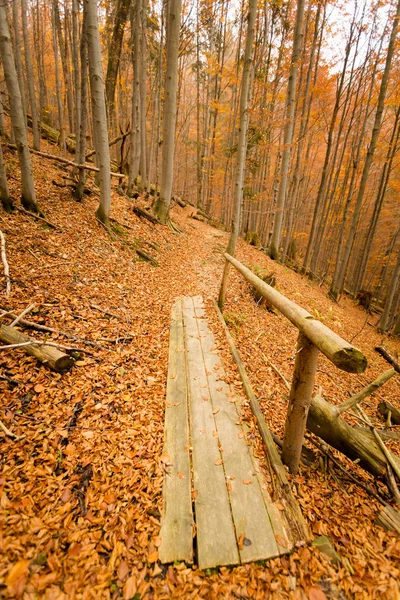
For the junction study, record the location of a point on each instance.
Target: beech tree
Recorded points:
(98, 110)
(161, 207)
(338, 283)
(30, 78)
(5, 197)
(242, 146)
(288, 133)
(17, 115)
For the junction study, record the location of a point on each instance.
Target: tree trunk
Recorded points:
(98, 110)
(78, 193)
(114, 56)
(134, 159)
(18, 55)
(385, 320)
(17, 115)
(5, 197)
(337, 286)
(30, 78)
(61, 140)
(288, 133)
(161, 207)
(143, 97)
(391, 153)
(242, 146)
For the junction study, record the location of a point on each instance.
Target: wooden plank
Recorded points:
(255, 518)
(216, 539)
(177, 523)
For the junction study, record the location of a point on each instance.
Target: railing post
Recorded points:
(299, 401)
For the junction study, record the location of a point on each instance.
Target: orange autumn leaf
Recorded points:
(39, 388)
(17, 578)
(152, 557)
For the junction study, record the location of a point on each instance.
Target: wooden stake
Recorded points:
(299, 401)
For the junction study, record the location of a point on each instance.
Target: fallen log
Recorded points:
(146, 257)
(384, 408)
(67, 162)
(48, 355)
(357, 444)
(143, 214)
(389, 518)
(38, 327)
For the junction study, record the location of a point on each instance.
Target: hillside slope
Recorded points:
(81, 494)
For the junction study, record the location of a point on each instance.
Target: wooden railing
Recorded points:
(314, 337)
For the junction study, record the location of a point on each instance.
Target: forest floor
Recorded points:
(81, 493)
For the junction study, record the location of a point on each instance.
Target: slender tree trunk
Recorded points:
(18, 54)
(245, 94)
(337, 285)
(17, 115)
(325, 168)
(76, 72)
(63, 45)
(134, 159)
(5, 196)
(3, 129)
(143, 97)
(365, 253)
(385, 319)
(161, 207)
(98, 110)
(58, 83)
(30, 78)
(288, 133)
(78, 194)
(114, 57)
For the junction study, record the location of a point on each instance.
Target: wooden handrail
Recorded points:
(336, 349)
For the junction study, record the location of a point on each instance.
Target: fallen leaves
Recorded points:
(17, 578)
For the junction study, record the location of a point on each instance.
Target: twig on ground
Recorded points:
(10, 433)
(5, 263)
(322, 447)
(277, 371)
(106, 312)
(38, 218)
(21, 316)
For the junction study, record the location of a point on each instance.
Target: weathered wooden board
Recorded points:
(236, 521)
(254, 520)
(177, 523)
(216, 539)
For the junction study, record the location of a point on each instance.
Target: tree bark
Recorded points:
(134, 159)
(5, 197)
(242, 146)
(18, 54)
(30, 78)
(161, 207)
(79, 190)
(299, 401)
(337, 286)
(288, 132)
(17, 115)
(98, 110)
(114, 56)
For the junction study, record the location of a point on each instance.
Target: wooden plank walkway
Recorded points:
(235, 518)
